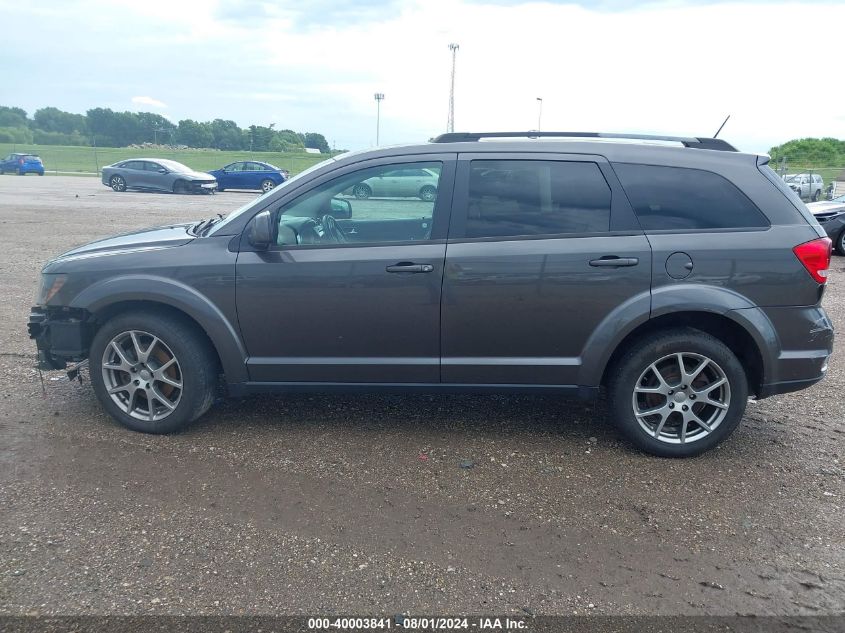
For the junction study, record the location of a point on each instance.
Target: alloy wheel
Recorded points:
(267, 185)
(681, 398)
(142, 375)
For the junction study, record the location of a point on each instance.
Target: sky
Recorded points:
(667, 67)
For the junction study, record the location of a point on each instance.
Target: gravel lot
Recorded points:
(358, 504)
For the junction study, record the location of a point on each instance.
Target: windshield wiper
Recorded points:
(204, 225)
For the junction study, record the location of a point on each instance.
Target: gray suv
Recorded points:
(677, 274)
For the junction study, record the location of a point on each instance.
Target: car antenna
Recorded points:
(721, 126)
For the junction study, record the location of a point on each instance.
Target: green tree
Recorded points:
(317, 141)
(12, 117)
(54, 120)
(194, 133)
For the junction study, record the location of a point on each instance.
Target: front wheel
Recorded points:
(117, 183)
(428, 193)
(153, 373)
(180, 186)
(678, 393)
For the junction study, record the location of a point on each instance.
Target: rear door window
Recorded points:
(516, 198)
(680, 199)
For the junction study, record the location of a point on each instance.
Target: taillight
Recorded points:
(815, 256)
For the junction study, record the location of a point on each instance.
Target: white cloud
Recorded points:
(148, 101)
(672, 67)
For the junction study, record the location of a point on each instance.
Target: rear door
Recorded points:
(541, 250)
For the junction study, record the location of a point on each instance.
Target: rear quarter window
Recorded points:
(680, 199)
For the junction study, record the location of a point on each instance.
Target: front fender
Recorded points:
(187, 299)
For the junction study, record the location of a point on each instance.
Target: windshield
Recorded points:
(172, 165)
(249, 205)
(839, 198)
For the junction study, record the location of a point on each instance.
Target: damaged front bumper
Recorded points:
(61, 335)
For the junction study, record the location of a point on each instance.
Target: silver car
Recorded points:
(406, 182)
(157, 174)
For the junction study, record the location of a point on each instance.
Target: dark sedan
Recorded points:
(831, 215)
(249, 175)
(157, 174)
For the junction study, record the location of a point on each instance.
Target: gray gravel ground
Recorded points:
(360, 504)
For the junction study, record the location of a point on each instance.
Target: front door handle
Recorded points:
(614, 261)
(408, 267)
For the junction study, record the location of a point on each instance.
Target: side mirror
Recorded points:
(162, 170)
(341, 209)
(259, 231)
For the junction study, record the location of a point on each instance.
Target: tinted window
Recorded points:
(133, 164)
(532, 197)
(152, 166)
(676, 198)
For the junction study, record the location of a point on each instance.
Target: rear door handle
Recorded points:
(614, 261)
(408, 267)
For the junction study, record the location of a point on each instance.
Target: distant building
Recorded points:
(311, 150)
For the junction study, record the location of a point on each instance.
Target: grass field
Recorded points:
(85, 160)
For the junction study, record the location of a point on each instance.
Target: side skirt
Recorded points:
(238, 390)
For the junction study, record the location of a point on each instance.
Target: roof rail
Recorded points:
(687, 141)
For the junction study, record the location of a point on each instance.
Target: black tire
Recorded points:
(840, 242)
(428, 193)
(362, 191)
(267, 185)
(628, 370)
(817, 195)
(197, 366)
(117, 183)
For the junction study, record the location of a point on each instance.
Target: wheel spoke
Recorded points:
(157, 395)
(697, 419)
(128, 387)
(665, 387)
(125, 364)
(713, 385)
(698, 370)
(162, 377)
(716, 403)
(684, 430)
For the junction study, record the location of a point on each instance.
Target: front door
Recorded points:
(542, 249)
(350, 293)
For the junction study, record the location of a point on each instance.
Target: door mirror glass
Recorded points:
(162, 170)
(341, 209)
(259, 231)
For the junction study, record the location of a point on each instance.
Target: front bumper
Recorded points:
(60, 335)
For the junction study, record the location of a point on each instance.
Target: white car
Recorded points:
(805, 185)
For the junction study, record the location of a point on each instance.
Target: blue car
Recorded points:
(249, 175)
(22, 164)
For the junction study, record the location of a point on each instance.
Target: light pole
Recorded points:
(379, 97)
(540, 112)
(450, 122)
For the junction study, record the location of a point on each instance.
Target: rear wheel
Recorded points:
(678, 393)
(840, 242)
(267, 185)
(117, 183)
(362, 192)
(817, 195)
(153, 373)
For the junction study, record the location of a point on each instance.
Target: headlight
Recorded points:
(49, 288)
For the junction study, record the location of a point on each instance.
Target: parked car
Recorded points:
(566, 267)
(22, 164)
(249, 175)
(831, 216)
(807, 186)
(157, 174)
(408, 182)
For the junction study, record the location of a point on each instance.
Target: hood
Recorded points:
(196, 175)
(825, 207)
(152, 238)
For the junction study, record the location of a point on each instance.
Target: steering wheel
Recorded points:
(333, 230)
